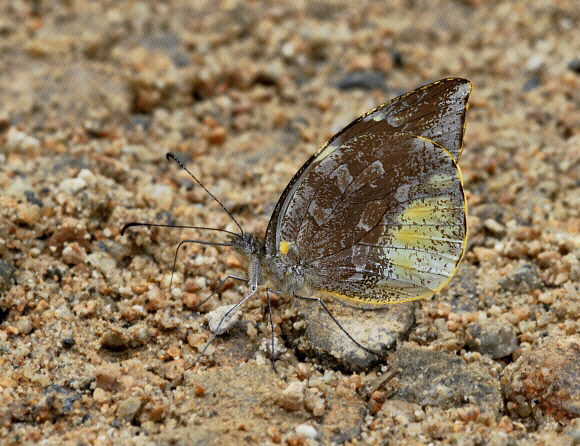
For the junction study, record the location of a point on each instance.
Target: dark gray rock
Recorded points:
(432, 378)
(492, 338)
(574, 65)
(364, 80)
(522, 279)
(6, 275)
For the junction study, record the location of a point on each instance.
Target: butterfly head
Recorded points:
(247, 245)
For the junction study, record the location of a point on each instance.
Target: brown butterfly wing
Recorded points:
(435, 111)
(378, 217)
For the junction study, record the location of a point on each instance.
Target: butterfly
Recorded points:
(376, 216)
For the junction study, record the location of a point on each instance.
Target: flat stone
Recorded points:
(377, 330)
(432, 378)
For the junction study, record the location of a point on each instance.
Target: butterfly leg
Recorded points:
(272, 354)
(219, 286)
(317, 299)
(224, 317)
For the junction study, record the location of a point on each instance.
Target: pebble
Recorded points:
(141, 334)
(364, 80)
(486, 255)
(115, 339)
(28, 214)
(494, 338)
(303, 370)
(292, 397)
(87, 176)
(214, 317)
(279, 347)
(32, 198)
(68, 342)
(101, 396)
(572, 263)
(315, 404)
(190, 301)
(233, 261)
(151, 413)
(6, 275)
(574, 65)
(23, 325)
(167, 319)
(514, 249)
(128, 408)
(535, 62)
(159, 196)
(524, 233)
(468, 413)
(544, 382)
(107, 377)
(154, 299)
(494, 227)
(305, 430)
(102, 261)
(73, 254)
(379, 330)
(199, 390)
(72, 186)
(217, 136)
(522, 279)
(18, 140)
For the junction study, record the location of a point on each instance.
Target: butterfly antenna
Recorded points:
(159, 225)
(170, 155)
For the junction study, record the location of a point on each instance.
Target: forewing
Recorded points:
(435, 111)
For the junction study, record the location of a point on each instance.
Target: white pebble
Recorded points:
(71, 186)
(88, 176)
(307, 431)
(17, 140)
(159, 195)
(214, 317)
(292, 397)
(535, 62)
(102, 261)
(279, 347)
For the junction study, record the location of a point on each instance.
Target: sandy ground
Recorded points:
(94, 346)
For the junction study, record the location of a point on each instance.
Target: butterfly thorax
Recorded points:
(285, 273)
